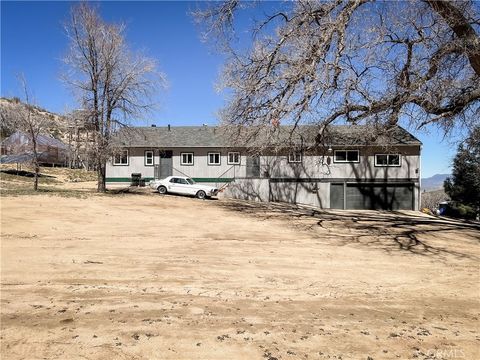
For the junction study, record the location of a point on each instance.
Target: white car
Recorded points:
(183, 185)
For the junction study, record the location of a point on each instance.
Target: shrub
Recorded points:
(461, 211)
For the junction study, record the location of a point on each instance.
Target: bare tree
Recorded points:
(375, 62)
(26, 118)
(431, 199)
(113, 84)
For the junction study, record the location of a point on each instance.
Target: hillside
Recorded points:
(434, 182)
(71, 129)
(59, 122)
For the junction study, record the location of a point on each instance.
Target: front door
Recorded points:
(253, 166)
(165, 166)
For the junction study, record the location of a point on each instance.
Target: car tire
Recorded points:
(162, 190)
(201, 194)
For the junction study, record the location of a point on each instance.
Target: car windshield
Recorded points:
(190, 181)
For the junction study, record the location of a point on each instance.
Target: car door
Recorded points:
(173, 185)
(184, 187)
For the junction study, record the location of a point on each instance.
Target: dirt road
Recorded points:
(150, 277)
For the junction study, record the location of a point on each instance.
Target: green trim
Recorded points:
(123, 179)
(200, 180)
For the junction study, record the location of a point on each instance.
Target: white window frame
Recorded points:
(295, 157)
(219, 158)
(187, 163)
(121, 155)
(146, 158)
(233, 153)
(388, 160)
(346, 156)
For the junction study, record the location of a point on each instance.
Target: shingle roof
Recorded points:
(368, 135)
(211, 136)
(176, 136)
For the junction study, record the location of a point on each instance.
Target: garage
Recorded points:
(372, 196)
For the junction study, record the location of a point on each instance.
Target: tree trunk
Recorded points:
(461, 27)
(36, 166)
(101, 183)
(35, 180)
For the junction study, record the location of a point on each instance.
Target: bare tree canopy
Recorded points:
(28, 119)
(113, 84)
(374, 62)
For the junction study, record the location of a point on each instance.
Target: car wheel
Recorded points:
(162, 190)
(201, 194)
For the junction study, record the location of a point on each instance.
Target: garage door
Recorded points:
(379, 197)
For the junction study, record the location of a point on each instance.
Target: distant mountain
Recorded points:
(434, 182)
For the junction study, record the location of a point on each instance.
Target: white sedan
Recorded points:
(183, 185)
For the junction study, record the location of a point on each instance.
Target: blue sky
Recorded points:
(33, 42)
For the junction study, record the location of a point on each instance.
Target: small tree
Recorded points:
(464, 185)
(113, 84)
(25, 118)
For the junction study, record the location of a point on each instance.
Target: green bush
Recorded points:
(461, 211)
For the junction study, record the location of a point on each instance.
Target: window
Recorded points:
(387, 160)
(233, 158)
(121, 158)
(343, 156)
(148, 157)
(213, 159)
(176, 180)
(295, 157)
(186, 158)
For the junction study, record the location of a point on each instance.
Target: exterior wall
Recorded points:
(305, 193)
(249, 189)
(200, 170)
(315, 194)
(312, 166)
(315, 167)
(136, 164)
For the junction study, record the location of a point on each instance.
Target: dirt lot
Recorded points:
(140, 276)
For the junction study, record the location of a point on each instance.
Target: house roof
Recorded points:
(175, 136)
(211, 136)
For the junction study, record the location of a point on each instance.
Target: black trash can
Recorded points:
(136, 177)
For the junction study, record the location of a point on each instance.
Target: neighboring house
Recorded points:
(17, 148)
(347, 172)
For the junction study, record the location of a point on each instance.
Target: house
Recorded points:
(17, 148)
(349, 168)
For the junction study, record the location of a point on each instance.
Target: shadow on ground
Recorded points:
(390, 231)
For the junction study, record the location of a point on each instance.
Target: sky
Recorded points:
(33, 42)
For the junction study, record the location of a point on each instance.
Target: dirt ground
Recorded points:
(144, 276)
